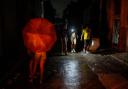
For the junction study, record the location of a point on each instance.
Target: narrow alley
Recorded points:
(74, 71)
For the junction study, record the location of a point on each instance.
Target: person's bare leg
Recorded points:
(30, 66)
(85, 46)
(31, 70)
(62, 47)
(42, 62)
(72, 46)
(35, 63)
(35, 66)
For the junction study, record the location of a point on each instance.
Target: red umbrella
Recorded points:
(39, 35)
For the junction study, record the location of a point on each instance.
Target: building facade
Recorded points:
(117, 11)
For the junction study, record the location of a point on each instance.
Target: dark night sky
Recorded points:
(60, 5)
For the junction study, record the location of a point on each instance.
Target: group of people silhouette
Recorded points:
(40, 35)
(72, 36)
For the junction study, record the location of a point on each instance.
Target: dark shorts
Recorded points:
(87, 42)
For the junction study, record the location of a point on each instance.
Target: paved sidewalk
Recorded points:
(111, 69)
(75, 71)
(122, 57)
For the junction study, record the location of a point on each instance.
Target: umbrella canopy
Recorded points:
(39, 35)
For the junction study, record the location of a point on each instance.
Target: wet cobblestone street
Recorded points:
(74, 71)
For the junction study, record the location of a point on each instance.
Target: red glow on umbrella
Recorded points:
(39, 35)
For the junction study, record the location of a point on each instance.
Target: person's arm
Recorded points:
(81, 35)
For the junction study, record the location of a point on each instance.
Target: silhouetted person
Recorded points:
(39, 37)
(73, 38)
(86, 36)
(64, 39)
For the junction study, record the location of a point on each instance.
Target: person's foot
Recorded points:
(66, 53)
(87, 51)
(84, 50)
(30, 80)
(62, 53)
(74, 50)
(40, 81)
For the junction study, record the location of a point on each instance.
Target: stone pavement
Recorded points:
(111, 69)
(122, 57)
(75, 71)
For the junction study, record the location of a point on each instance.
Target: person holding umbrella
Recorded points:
(39, 36)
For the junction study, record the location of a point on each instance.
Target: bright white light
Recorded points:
(92, 42)
(72, 30)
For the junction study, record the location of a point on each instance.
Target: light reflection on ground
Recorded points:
(71, 76)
